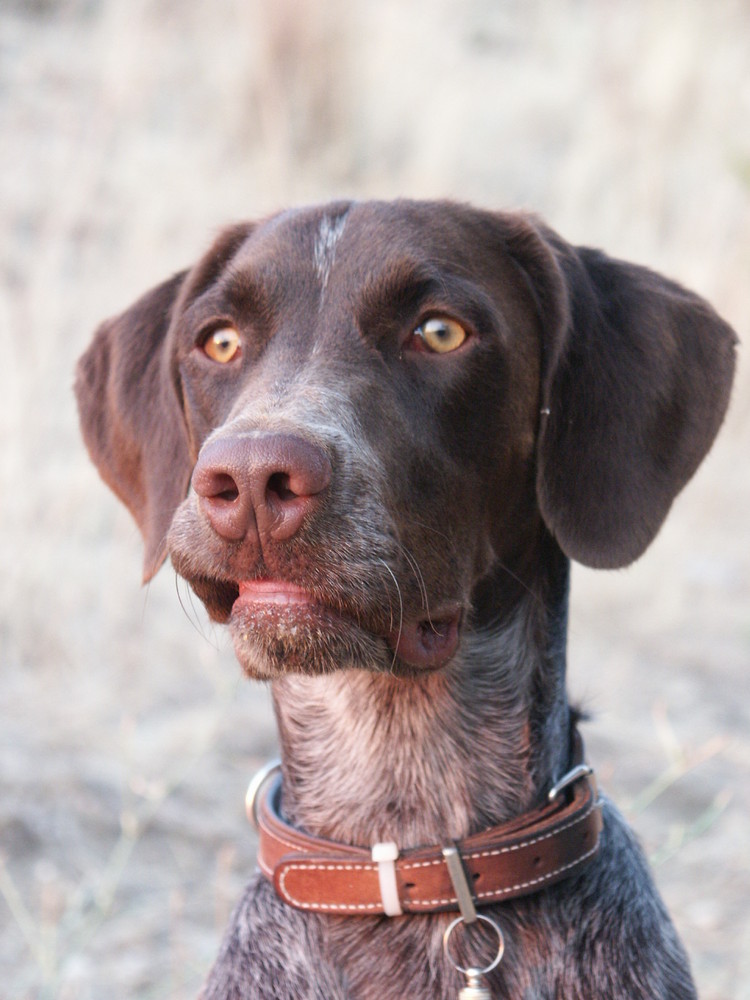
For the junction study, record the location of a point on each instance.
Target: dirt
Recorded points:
(131, 132)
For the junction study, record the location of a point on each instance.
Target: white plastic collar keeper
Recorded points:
(385, 856)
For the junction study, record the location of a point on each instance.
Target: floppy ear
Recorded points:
(131, 416)
(636, 376)
(130, 400)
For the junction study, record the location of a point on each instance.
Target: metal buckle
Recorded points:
(464, 895)
(257, 782)
(575, 774)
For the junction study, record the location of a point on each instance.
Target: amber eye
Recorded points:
(222, 345)
(441, 334)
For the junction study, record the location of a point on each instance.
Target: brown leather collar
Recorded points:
(517, 858)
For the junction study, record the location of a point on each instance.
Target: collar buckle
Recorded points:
(570, 778)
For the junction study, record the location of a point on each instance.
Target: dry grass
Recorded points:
(131, 130)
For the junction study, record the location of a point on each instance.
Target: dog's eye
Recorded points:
(222, 345)
(441, 334)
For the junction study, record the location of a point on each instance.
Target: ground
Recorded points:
(131, 132)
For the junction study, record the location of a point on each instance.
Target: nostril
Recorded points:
(225, 488)
(266, 484)
(215, 484)
(280, 484)
(221, 501)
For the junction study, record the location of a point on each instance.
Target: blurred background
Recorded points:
(131, 130)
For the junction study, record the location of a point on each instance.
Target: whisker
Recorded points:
(190, 613)
(146, 596)
(431, 528)
(400, 614)
(388, 597)
(525, 586)
(419, 578)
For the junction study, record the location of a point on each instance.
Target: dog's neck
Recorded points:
(370, 757)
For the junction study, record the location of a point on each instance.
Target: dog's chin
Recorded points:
(282, 632)
(270, 644)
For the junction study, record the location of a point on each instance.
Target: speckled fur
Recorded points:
(583, 398)
(369, 757)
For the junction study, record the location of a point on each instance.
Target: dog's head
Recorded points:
(342, 419)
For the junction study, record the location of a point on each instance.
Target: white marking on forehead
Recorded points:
(329, 233)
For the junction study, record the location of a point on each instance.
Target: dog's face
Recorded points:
(377, 405)
(402, 364)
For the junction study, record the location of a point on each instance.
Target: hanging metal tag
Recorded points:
(474, 989)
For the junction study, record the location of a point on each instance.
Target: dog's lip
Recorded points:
(265, 591)
(425, 643)
(284, 599)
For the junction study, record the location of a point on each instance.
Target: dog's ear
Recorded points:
(130, 405)
(636, 376)
(131, 415)
(130, 400)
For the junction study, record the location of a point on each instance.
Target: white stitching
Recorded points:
(513, 847)
(325, 906)
(499, 893)
(490, 894)
(494, 894)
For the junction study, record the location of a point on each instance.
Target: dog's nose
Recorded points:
(264, 483)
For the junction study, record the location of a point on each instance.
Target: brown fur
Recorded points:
(420, 685)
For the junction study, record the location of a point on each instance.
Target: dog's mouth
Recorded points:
(297, 630)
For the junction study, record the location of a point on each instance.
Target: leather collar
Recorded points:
(522, 856)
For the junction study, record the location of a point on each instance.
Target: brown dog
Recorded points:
(371, 436)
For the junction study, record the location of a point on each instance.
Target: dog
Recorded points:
(371, 437)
